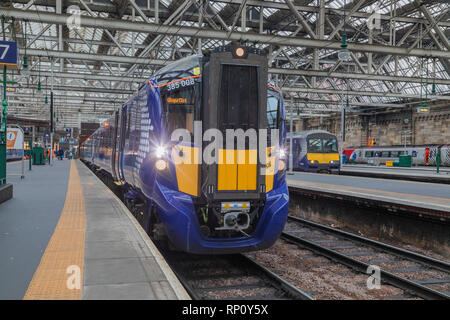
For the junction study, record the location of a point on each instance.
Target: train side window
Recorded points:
(288, 147)
(414, 153)
(273, 110)
(395, 154)
(178, 109)
(369, 154)
(385, 154)
(297, 149)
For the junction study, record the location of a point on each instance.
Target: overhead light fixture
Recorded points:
(25, 70)
(39, 86)
(344, 53)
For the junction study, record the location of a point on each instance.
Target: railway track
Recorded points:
(230, 277)
(398, 267)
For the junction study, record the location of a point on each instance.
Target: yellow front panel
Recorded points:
(247, 169)
(227, 172)
(270, 168)
(186, 167)
(323, 158)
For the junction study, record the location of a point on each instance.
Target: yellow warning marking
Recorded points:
(56, 277)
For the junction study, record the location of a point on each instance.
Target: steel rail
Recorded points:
(267, 277)
(386, 276)
(410, 255)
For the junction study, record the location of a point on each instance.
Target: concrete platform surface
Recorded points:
(120, 260)
(423, 174)
(65, 235)
(27, 222)
(419, 194)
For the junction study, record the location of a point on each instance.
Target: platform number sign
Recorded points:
(8, 53)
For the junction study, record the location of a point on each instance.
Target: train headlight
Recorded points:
(240, 52)
(281, 165)
(161, 165)
(160, 151)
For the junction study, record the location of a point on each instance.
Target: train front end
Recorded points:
(221, 183)
(322, 153)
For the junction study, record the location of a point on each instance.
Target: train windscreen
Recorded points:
(322, 145)
(330, 145)
(179, 109)
(238, 98)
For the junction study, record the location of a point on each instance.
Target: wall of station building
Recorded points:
(390, 128)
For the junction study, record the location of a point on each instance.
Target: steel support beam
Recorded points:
(108, 7)
(359, 76)
(362, 93)
(157, 62)
(118, 24)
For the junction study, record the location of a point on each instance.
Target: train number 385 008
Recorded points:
(180, 84)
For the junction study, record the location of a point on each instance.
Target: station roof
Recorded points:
(399, 49)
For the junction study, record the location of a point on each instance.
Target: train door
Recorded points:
(427, 155)
(115, 129)
(296, 149)
(235, 97)
(288, 151)
(121, 142)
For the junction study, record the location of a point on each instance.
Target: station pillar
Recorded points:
(3, 133)
(438, 159)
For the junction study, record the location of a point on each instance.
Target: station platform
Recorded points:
(421, 174)
(65, 235)
(420, 197)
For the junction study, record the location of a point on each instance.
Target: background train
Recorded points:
(424, 155)
(13, 154)
(314, 151)
(200, 207)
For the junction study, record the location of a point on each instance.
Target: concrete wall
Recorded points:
(388, 128)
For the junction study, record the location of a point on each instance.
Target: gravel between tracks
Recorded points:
(399, 244)
(318, 275)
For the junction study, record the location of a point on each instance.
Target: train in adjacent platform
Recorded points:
(314, 151)
(422, 155)
(233, 204)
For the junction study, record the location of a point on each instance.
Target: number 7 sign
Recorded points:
(8, 53)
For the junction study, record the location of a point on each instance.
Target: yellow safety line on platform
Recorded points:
(59, 275)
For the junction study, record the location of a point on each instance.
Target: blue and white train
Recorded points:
(223, 207)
